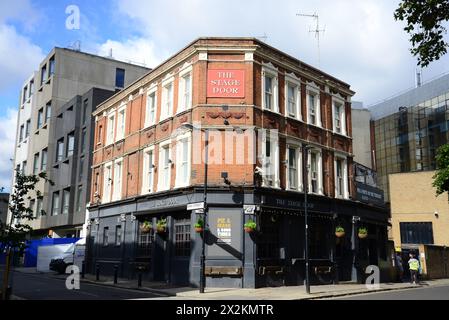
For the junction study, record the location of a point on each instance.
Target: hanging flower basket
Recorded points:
(161, 226)
(146, 227)
(339, 232)
(199, 225)
(250, 226)
(363, 233)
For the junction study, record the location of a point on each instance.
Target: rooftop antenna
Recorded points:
(264, 37)
(110, 53)
(76, 46)
(317, 30)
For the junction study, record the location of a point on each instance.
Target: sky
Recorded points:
(361, 44)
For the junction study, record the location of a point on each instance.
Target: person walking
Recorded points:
(413, 264)
(399, 266)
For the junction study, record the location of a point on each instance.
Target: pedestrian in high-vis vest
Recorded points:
(413, 264)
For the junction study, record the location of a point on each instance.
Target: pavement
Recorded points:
(165, 291)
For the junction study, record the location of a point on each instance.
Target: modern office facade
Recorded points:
(409, 128)
(62, 75)
(260, 108)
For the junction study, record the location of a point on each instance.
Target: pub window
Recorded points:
(269, 243)
(105, 236)
(145, 243)
(182, 237)
(118, 235)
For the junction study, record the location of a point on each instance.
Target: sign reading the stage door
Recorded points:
(225, 83)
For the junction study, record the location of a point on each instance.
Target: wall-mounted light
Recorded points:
(436, 214)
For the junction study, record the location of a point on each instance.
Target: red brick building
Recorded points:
(260, 107)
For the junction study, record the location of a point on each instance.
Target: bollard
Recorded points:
(139, 279)
(83, 269)
(115, 273)
(97, 271)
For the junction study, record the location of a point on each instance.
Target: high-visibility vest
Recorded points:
(414, 265)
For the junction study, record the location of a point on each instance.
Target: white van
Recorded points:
(73, 255)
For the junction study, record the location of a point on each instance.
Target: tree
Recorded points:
(441, 177)
(425, 20)
(13, 235)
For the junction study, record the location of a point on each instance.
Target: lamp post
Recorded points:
(305, 162)
(205, 209)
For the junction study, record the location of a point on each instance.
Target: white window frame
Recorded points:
(121, 122)
(270, 168)
(117, 180)
(319, 170)
(167, 101)
(147, 183)
(292, 80)
(313, 89)
(299, 169)
(183, 103)
(269, 70)
(345, 191)
(179, 164)
(110, 130)
(161, 184)
(338, 99)
(107, 182)
(149, 121)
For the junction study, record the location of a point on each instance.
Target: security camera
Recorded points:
(258, 170)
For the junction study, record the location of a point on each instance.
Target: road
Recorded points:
(44, 287)
(420, 293)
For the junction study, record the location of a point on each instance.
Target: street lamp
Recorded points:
(190, 126)
(305, 153)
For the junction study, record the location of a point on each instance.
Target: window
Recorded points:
(100, 134)
(51, 66)
(292, 97)
(182, 162)
(55, 204)
(315, 172)
(83, 140)
(164, 167)
(81, 169)
(148, 171)
(79, 199)
(167, 100)
(60, 150)
(21, 132)
(150, 113)
(24, 94)
(39, 207)
(107, 183)
(121, 122)
(85, 105)
(145, 242)
(110, 128)
(36, 163)
(313, 106)
(44, 160)
(270, 91)
(27, 128)
(47, 112)
(294, 168)
(43, 74)
(270, 161)
(341, 174)
(118, 235)
(70, 144)
(339, 116)
(105, 236)
(185, 91)
(117, 185)
(119, 78)
(182, 237)
(24, 167)
(65, 201)
(416, 232)
(32, 207)
(31, 91)
(40, 118)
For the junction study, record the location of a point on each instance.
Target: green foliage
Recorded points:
(161, 223)
(441, 177)
(363, 230)
(339, 229)
(199, 223)
(147, 224)
(425, 20)
(250, 224)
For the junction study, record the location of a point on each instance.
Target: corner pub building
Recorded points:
(149, 168)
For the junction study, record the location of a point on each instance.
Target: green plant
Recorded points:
(161, 224)
(250, 224)
(363, 230)
(147, 224)
(199, 223)
(339, 229)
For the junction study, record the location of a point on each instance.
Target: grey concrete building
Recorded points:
(62, 75)
(361, 134)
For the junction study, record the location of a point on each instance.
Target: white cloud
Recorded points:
(20, 10)
(363, 45)
(8, 124)
(19, 57)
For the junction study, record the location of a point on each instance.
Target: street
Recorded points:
(420, 293)
(45, 287)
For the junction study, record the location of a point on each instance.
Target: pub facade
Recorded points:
(226, 134)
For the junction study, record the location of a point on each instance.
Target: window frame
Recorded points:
(319, 163)
(313, 89)
(179, 182)
(107, 183)
(183, 104)
(152, 90)
(164, 185)
(298, 153)
(53, 202)
(166, 108)
(121, 123)
(345, 192)
(293, 81)
(147, 185)
(117, 180)
(110, 127)
(269, 70)
(338, 99)
(274, 161)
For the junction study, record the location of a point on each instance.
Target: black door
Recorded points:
(180, 250)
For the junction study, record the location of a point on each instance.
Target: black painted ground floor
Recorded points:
(272, 255)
